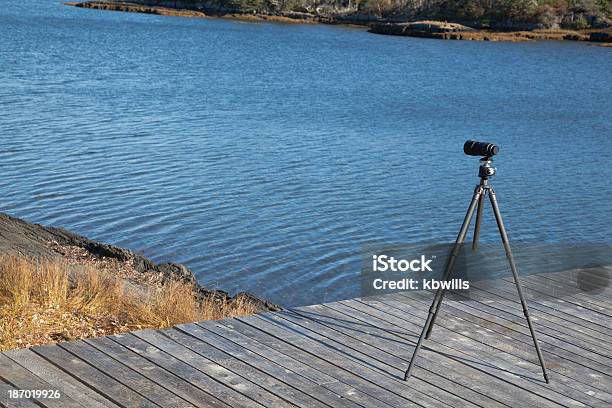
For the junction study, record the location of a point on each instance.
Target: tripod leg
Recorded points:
(517, 282)
(433, 310)
(478, 196)
(478, 221)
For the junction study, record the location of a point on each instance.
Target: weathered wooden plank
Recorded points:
(571, 341)
(5, 402)
(406, 334)
(539, 285)
(599, 297)
(125, 375)
(481, 356)
(349, 372)
(490, 390)
(548, 315)
(598, 280)
(594, 385)
(23, 379)
(205, 362)
(245, 362)
(557, 348)
(593, 273)
(213, 384)
(226, 329)
(549, 305)
(360, 364)
(503, 299)
(96, 379)
(203, 341)
(438, 387)
(313, 381)
(59, 379)
(513, 358)
(155, 373)
(566, 292)
(512, 316)
(489, 380)
(340, 331)
(572, 375)
(565, 347)
(345, 382)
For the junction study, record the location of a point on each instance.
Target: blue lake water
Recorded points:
(265, 156)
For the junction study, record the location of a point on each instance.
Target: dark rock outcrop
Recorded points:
(245, 297)
(601, 37)
(36, 241)
(418, 27)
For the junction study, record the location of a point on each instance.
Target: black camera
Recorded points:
(474, 148)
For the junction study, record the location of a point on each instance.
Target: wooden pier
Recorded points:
(344, 354)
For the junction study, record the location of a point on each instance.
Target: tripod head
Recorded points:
(486, 168)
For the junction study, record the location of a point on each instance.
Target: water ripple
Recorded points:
(267, 156)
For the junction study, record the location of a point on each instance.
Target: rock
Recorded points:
(575, 37)
(433, 29)
(297, 15)
(600, 37)
(259, 303)
(37, 241)
(601, 22)
(509, 25)
(243, 297)
(177, 271)
(216, 295)
(34, 240)
(388, 28)
(302, 9)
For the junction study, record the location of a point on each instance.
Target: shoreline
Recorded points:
(36, 241)
(178, 12)
(56, 286)
(422, 29)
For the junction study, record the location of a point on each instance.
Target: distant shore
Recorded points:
(424, 29)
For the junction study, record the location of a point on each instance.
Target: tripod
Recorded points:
(486, 170)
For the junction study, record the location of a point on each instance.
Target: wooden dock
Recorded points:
(344, 354)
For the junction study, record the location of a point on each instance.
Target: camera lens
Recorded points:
(474, 148)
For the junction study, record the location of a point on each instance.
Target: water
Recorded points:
(265, 156)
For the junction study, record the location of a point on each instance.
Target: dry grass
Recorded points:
(43, 301)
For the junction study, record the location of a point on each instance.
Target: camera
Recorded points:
(474, 148)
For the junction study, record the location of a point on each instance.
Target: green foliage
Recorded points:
(247, 4)
(581, 23)
(544, 11)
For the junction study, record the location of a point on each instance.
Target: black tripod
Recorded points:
(486, 170)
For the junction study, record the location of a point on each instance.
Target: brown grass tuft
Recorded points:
(45, 301)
